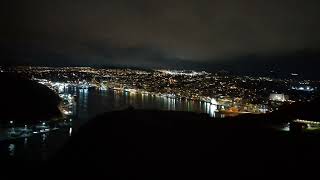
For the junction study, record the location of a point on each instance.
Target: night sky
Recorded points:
(240, 36)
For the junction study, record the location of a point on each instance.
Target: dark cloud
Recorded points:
(143, 31)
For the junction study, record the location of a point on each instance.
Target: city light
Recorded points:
(242, 93)
(277, 97)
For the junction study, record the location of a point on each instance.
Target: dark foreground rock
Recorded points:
(136, 143)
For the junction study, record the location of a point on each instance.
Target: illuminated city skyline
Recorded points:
(238, 94)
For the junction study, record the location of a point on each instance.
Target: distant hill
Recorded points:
(26, 101)
(305, 62)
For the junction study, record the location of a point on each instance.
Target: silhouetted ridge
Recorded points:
(26, 101)
(143, 143)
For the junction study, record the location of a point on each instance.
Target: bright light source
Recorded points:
(70, 131)
(213, 101)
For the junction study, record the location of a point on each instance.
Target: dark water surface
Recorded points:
(90, 103)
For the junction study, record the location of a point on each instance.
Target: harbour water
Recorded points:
(89, 103)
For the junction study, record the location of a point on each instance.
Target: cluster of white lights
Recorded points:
(303, 88)
(277, 97)
(182, 72)
(308, 122)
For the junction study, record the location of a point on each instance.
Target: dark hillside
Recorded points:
(156, 143)
(26, 101)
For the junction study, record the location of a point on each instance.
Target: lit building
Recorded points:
(278, 97)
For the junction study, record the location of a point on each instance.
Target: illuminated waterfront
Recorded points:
(245, 94)
(88, 104)
(93, 102)
(88, 92)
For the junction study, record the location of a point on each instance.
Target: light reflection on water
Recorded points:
(89, 104)
(93, 102)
